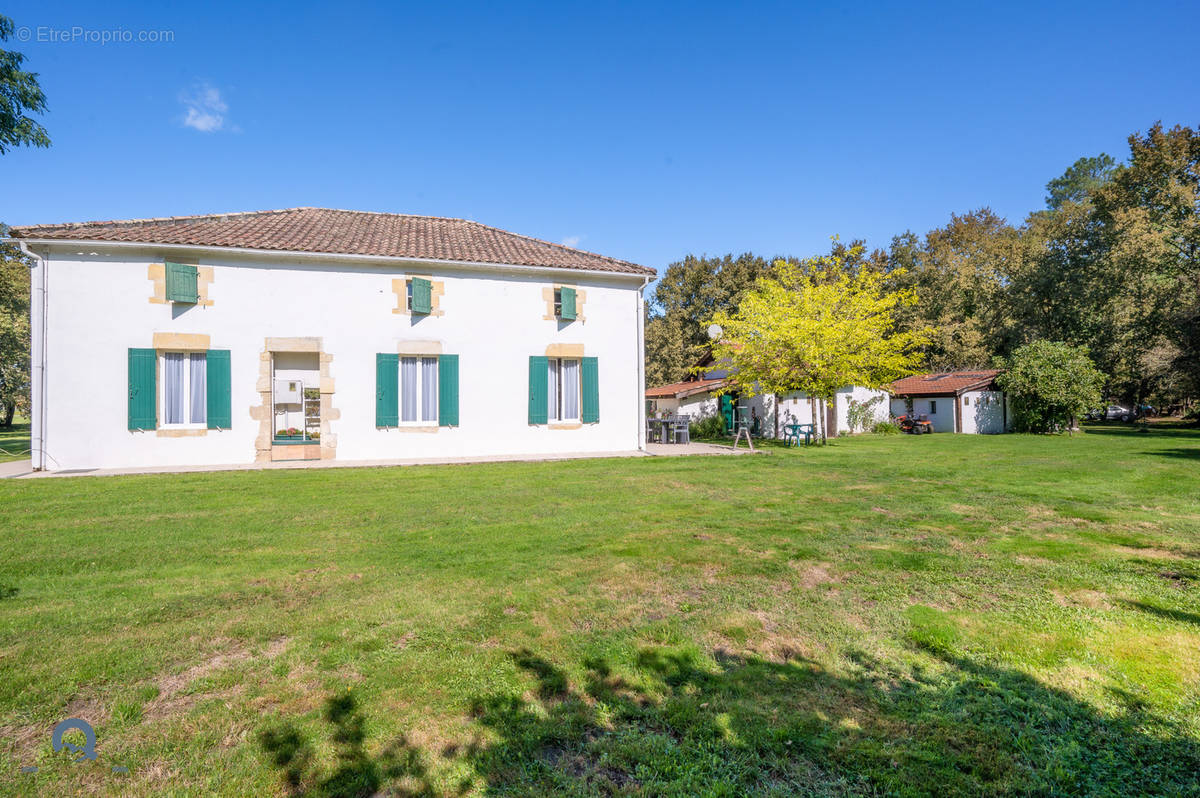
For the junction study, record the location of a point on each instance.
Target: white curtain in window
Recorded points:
(199, 387)
(408, 389)
(173, 379)
(429, 388)
(553, 391)
(570, 389)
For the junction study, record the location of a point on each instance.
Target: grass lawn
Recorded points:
(887, 615)
(14, 441)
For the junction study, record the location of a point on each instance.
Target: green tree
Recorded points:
(1081, 179)
(1050, 384)
(961, 273)
(1118, 271)
(14, 331)
(689, 292)
(815, 327)
(20, 95)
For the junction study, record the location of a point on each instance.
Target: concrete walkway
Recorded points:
(16, 468)
(682, 449)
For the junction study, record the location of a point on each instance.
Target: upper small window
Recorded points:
(932, 406)
(564, 303)
(182, 283)
(419, 295)
(966, 401)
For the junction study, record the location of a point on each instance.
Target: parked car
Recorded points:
(1119, 413)
(1111, 413)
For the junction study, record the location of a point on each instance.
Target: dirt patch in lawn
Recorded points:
(1149, 552)
(171, 698)
(1092, 599)
(813, 575)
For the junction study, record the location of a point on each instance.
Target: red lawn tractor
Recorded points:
(915, 425)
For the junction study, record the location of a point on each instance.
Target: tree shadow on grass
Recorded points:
(1164, 612)
(1180, 454)
(741, 725)
(678, 723)
(400, 766)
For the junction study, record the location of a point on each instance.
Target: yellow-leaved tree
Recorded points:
(815, 327)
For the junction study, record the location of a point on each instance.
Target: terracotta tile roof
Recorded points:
(948, 383)
(679, 390)
(341, 232)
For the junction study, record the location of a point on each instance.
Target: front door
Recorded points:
(727, 406)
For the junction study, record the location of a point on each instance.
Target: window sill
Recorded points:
(181, 432)
(565, 425)
(425, 428)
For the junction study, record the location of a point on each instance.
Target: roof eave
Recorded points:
(343, 256)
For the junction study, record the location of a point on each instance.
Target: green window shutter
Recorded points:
(219, 382)
(143, 400)
(422, 296)
(181, 283)
(567, 313)
(539, 388)
(590, 376)
(447, 390)
(387, 390)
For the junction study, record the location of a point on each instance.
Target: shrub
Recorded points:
(885, 428)
(1050, 384)
(859, 414)
(707, 427)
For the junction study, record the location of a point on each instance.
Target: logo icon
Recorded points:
(87, 750)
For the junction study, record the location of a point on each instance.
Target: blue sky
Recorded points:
(642, 131)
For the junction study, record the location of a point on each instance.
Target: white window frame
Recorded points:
(187, 390)
(437, 395)
(554, 414)
(408, 292)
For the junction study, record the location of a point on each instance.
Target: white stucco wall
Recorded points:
(98, 308)
(794, 408)
(982, 411)
(942, 419)
(698, 405)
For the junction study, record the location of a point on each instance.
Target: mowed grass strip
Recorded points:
(890, 615)
(14, 441)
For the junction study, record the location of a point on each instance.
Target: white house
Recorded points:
(312, 333)
(957, 401)
(701, 396)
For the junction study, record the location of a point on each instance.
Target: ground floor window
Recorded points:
(418, 390)
(564, 389)
(185, 388)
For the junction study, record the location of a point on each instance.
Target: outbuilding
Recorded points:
(954, 401)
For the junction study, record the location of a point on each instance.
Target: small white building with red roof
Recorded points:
(954, 401)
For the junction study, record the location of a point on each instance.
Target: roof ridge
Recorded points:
(158, 219)
(231, 214)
